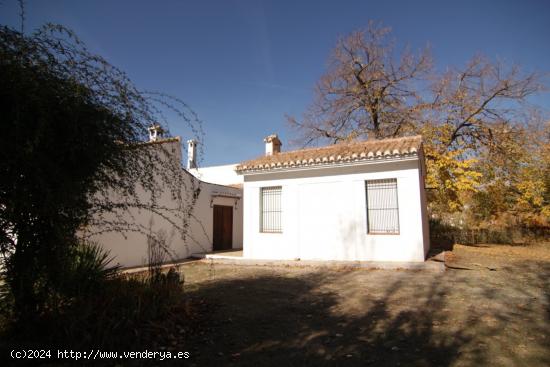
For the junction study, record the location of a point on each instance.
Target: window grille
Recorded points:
(270, 210)
(382, 206)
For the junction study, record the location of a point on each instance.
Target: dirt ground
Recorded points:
(491, 307)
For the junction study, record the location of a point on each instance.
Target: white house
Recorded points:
(360, 201)
(214, 223)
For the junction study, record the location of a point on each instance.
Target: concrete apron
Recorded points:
(429, 265)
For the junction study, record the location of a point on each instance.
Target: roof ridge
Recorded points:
(337, 153)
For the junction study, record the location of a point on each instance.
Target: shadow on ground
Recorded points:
(376, 318)
(307, 330)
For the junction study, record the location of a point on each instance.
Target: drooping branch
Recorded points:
(101, 135)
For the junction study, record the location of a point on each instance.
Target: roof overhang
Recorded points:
(226, 195)
(323, 165)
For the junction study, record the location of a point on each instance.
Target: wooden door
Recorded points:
(223, 227)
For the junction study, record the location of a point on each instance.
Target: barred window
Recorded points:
(382, 206)
(270, 209)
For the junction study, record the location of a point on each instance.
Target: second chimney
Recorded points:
(156, 132)
(191, 154)
(272, 145)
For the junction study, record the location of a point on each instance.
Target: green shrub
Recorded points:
(87, 268)
(125, 312)
(116, 312)
(444, 235)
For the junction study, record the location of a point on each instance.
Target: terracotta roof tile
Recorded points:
(338, 153)
(162, 140)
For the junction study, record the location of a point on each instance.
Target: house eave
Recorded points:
(325, 165)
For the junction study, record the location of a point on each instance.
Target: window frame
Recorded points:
(369, 231)
(280, 211)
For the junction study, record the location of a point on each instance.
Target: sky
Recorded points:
(243, 65)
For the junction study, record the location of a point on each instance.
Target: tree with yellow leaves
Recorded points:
(449, 175)
(516, 185)
(469, 118)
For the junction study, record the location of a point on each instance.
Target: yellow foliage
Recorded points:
(508, 176)
(450, 176)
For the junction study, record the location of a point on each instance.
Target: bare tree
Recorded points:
(366, 92)
(481, 104)
(466, 115)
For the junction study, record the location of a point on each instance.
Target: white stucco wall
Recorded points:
(324, 214)
(130, 248)
(221, 175)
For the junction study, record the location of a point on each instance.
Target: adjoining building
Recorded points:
(213, 223)
(360, 201)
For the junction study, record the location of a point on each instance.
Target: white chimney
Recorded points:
(191, 154)
(156, 132)
(272, 145)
